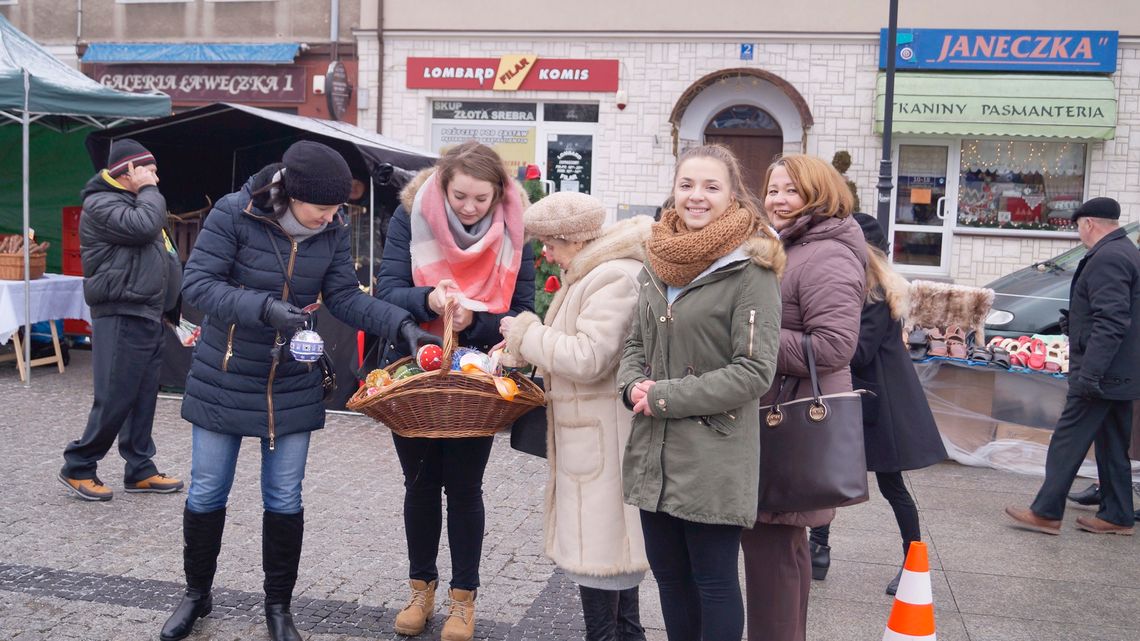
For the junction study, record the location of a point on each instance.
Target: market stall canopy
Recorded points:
(58, 93)
(211, 150)
(1025, 105)
(197, 53)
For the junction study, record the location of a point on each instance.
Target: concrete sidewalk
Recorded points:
(92, 571)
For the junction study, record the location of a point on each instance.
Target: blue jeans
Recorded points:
(214, 459)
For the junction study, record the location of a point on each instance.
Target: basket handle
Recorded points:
(450, 338)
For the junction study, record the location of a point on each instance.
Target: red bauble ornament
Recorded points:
(430, 357)
(552, 285)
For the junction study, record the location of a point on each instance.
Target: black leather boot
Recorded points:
(820, 560)
(599, 609)
(281, 537)
(202, 540)
(893, 586)
(629, 616)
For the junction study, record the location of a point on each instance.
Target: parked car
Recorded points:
(1029, 300)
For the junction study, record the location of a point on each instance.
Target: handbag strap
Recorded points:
(809, 354)
(281, 262)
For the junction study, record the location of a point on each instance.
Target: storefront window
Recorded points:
(1031, 185)
(556, 136)
(570, 112)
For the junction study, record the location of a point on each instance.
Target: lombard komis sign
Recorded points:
(513, 73)
(1002, 50)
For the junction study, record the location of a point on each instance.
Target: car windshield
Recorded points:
(1069, 259)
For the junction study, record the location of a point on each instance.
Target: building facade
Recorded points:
(1033, 109)
(294, 56)
(1005, 116)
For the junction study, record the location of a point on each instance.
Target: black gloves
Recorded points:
(1085, 387)
(414, 336)
(1063, 322)
(283, 317)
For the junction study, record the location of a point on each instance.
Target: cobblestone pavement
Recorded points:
(73, 570)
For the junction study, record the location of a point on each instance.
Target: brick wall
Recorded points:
(633, 150)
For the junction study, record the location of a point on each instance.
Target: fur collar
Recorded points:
(408, 193)
(624, 239)
(767, 252)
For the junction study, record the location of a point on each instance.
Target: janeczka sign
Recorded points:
(209, 83)
(1000, 50)
(520, 72)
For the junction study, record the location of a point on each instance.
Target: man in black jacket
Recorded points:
(131, 276)
(1103, 324)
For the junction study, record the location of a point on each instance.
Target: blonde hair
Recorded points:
(885, 284)
(744, 197)
(823, 189)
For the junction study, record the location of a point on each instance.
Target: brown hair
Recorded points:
(743, 195)
(884, 283)
(476, 160)
(823, 189)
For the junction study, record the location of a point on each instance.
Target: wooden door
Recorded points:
(755, 152)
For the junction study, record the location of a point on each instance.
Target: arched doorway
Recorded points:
(753, 135)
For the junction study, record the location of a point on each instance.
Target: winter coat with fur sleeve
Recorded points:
(589, 529)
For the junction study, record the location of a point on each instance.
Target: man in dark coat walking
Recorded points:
(132, 275)
(1103, 324)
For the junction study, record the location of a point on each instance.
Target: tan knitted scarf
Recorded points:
(678, 254)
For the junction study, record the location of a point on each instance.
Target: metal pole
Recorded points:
(26, 123)
(371, 235)
(886, 182)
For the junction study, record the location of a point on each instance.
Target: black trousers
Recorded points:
(432, 466)
(1084, 422)
(126, 356)
(695, 565)
(893, 488)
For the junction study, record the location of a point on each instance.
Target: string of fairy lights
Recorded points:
(1024, 157)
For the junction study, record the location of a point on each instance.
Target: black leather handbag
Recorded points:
(528, 432)
(811, 449)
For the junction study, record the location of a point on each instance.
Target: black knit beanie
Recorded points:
(316, 173)
(124, 152)
(872, 231)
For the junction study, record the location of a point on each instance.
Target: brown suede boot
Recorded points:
(460, 624)
(412, 619)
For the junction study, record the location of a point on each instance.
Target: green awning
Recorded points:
(1021, 105)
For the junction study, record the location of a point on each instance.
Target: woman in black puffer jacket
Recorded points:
(264, 253)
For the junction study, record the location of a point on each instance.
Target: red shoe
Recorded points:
(1037, 354)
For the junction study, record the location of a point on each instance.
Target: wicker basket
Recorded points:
(446, 403)
(12, 266)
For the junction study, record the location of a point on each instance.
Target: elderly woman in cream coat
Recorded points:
(590, 533)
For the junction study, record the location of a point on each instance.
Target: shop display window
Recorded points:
(1030, 185)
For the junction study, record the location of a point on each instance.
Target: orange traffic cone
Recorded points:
(912, 616)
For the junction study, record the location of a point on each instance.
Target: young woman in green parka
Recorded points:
(701, 352)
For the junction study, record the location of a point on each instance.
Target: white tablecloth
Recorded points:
(53, 296)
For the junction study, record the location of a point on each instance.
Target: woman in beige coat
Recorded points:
(590, 533)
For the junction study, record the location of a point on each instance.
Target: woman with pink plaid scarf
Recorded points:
(456, 237)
